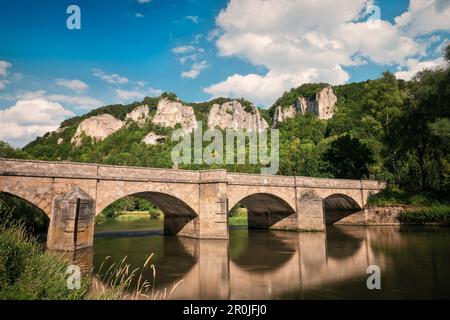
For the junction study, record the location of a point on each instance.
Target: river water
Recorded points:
(414, 262)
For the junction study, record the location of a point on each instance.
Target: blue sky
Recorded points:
(199, 49)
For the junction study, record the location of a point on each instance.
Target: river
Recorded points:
(414, 262)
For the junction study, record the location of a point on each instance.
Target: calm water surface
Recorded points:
(414, 262)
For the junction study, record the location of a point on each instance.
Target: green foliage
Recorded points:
(307, 90)
(435, 214)
(125, 204)
(393, 195)
(29, 272)
(6, 151)
(347, 157)
(16, 209)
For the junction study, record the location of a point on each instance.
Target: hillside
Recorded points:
(382, 129)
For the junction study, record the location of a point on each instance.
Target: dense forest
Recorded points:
(387, 129)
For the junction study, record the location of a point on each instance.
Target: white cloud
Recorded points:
(110, 78)
(413, 66)
(28, 119)
(79, 102)
(195, 70)
(143, 1)
(183, 49)
(129, 95)
(184, 59)
(425, 16)
(139, 15)
(264, 89)
(75, 85)
(193, 19)
(304, 41)
(4, 65)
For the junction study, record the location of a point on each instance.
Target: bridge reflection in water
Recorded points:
(251, 265)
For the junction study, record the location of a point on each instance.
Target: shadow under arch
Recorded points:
(339, 206)
(265, 209)
(262, 251)
(14, 207)
(177, 213)
(344, 241)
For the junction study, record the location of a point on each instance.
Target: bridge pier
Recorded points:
(72, 221)
(310, 212)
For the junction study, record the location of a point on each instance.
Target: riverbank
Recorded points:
(394, 205)
(234, 220)
(29, 272)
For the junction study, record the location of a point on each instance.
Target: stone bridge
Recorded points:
(194, 203)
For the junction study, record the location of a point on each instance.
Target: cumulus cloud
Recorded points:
(4, 66)
(195, 70)
(138, 93)
(425, 16)
(79, 102)
(28, 119)
(113, 78)
(413, 66)
(74, 85)
(304, 41)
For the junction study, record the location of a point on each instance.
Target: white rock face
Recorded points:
(60, 140)
(232, 115)
(153, 138)
(138, 114)
(323, 105)
(97, 127)
(169, 113)
(281, 114)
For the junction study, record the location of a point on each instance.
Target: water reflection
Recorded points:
(277, 265)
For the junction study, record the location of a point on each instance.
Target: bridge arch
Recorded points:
(339, 207)
(43, 202)
(265, 210)
(177, 213)
(34, 218)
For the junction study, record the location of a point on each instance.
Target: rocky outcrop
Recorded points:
(139, 114)
(169, 113)
(97, 127)
(323, 105)
(281, 114)
(232, 115)
(153, 138)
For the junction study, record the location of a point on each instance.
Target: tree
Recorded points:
(348, 158)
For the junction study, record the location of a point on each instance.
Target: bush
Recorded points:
(393, 195)
(434, 214)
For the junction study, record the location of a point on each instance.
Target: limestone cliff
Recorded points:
(232, 115)
(138, 114)
(169, 113)
(97, 127)
(323, 105)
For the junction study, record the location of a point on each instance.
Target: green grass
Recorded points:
(439, 214)
(28, 272)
